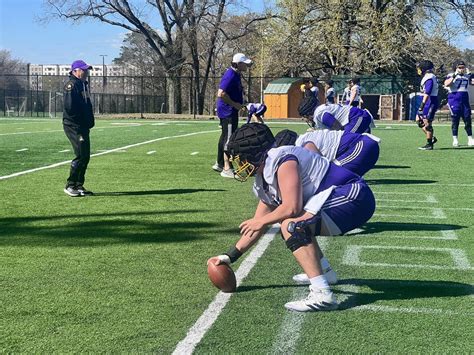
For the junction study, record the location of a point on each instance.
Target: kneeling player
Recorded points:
(304, 192)
(355, 152)
(256, 112)
(343, 117)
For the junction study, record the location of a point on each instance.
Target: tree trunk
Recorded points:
(173, 92)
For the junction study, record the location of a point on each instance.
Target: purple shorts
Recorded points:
(357, 153)
(359, 121)
(351, 203)
(430, 108)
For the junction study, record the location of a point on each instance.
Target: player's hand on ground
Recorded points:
(251, 227)
(219, 259)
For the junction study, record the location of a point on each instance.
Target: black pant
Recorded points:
(81, 145)
(228, 126)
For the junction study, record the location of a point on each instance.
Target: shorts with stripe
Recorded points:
(359, 121)
(348, 207)
(359, 156)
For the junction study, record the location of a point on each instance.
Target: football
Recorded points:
(222, 276)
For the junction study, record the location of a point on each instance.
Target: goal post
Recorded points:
(15, 106)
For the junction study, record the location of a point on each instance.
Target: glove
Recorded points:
(420, 123)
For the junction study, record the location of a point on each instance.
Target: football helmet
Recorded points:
(423, 66)
(285, 137)
(248, 147)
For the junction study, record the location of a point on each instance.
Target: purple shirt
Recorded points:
(230, 83)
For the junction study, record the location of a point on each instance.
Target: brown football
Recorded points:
(222, 277)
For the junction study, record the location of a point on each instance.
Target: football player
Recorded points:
(256, 112)
(354, 99)
(342, 117)
(355, 152)
(429, 103)
(458, 100)
(330, 92)
(304, 192)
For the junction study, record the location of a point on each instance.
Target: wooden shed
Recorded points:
(282, 97)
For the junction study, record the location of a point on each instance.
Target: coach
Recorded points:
(230, 101)
(78, 119)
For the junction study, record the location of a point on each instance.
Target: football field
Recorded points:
(125, 270)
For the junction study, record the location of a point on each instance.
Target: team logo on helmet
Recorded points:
(248, 147)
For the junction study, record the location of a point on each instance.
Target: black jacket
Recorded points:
(78, 110)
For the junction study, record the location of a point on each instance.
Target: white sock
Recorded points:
(455, 138)
(325, 263)
(319, 282)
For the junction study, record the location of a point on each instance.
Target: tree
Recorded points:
(11, 70)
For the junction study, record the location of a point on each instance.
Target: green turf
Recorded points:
(124, 271)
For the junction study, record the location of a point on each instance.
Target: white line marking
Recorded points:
(397, 193)
(151, 152)
(290, 328)
(352, 257)
(126, 124)
(15, 133)
(64, 150)
(21, 150)
(207, 319)
(438, 213)
(449, 235)
(194, 153)
(431, 199)
(103, 153)
(404, 201)
(418, 217)
(412, 310)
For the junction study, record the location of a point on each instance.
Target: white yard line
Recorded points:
(21, 150)
(103, 153)
(194, 153)
(151, 152)
(418, 217)
(411, 310)
(207, 319)
(290, 328)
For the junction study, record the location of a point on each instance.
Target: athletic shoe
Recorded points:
(427, 147)
(455, 142)
(217, 167)
(329, 273)
(470, 142)
(83, 191)
(435, 140)
(229, 173)
(317, 300)
(72, 191)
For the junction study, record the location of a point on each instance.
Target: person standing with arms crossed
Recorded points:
(78, 119)
(230, 99)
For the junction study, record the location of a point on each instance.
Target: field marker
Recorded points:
(207, 319)
(412, 310)
(105, 152)
(290, 328)
(409, 201)
(352, 257)
(431, 199)
(438, 213)
(418, 217)
(21, 150)
(64, 150)
(194, 153)
(449, 235)
(151, 152)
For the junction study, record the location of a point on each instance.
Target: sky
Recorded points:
(61, 42)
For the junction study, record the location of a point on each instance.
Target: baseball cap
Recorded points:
(80, 64)
(241, 58)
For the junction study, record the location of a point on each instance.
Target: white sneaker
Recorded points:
(217, 167)
(470, 142)
(455, 142)
(317, 300)
(229, 173)
(329, 273)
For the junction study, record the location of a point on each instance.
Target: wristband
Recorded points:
(422, 106)
(233, 254)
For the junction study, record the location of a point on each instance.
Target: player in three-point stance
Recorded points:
(342, 117)
(355, 152)
(308, 195)
(429, 103)
(457, 84)
(256, 112)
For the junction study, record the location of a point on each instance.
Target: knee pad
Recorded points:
(301, 233)
(429, 128)
(299, 237)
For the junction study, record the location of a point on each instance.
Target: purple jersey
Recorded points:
(231, 83)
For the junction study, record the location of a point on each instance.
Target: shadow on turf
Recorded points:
(457, 148)
(85, 230)
(378, 227)
(391, 167)
(398, 181)
(400, 290)
(154, 192)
